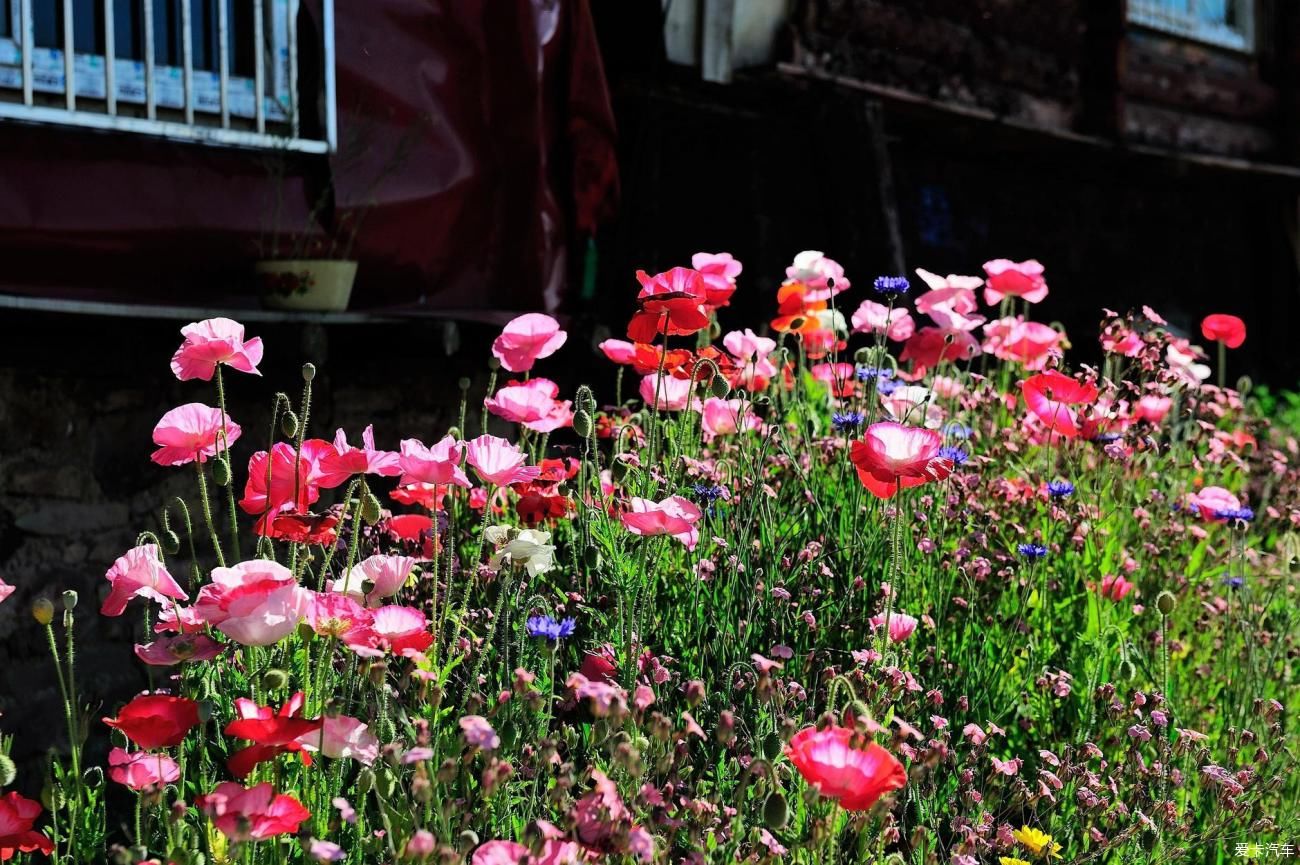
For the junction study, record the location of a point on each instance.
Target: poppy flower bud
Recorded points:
(371, 510)
(308, 371)
(715, 330)
(8, 771)
(171, 542)
(92, 777)
(289, 424)
(69, 600)
(220, 472)
(274, 680)
(694, 692)
(591, 555)
(494, 364)
(468, 839)
(1165, 603)
(582, 423)
(365, 781)
(386, 784)
(776, 811)
(43, 611)
(206, 711)
(772, 746)
(720, 387)
(463, 382)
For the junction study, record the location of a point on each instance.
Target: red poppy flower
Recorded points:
(699, 367)
(272, 733)
(534, 506)
(156, 720)
(305, 528)
(1227, 329)
(672, 304)
(17, 815)
(414, 531)
(795, 312)
(855, 775)
(646, 358)
(891, 456)
(1051, 396)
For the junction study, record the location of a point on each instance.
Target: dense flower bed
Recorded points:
(803, 598)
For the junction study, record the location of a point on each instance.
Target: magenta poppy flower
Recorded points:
(342, 738)
(533, 404)
(252, 814)
(289, 478)
(727, 416)
(667, 392)
(397, 630)
(1030, 343)
(499, 462)
(930, 345)
(552, 852)
(1227, 329)
(170, 651)
(17, 815)
(719, 271)
(674, 516)
(336, 468)
(527, 339)
(5, 590)
(1054, 399)
(1115, 587)
(255, 603)
(140, 573)
(856, 776)
(1211, 502)
(191, 432)
(1006, 278)
(142, 770)
(1153, 408)
(333, 615)
(901, 625)
(892, 456)
(872, 317)
(213, 341)
(438, 465)
(618, 350)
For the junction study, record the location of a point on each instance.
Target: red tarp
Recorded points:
(475, 138)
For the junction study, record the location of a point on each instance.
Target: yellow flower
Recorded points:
(1037, 841)
(1011, 860)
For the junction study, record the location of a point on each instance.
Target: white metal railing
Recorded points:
(1226, 23)
(131, 66)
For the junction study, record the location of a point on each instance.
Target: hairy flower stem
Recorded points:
(297, 451)
(895, 562)
(225, 453)
(74, 750)
(207, 514)
(483, 417)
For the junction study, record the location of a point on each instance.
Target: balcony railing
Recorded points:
(213, 71)
(1226, 23)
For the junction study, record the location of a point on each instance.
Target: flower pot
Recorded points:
(321, 285)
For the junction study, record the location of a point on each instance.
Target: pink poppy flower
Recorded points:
(142, 770)
(140, 573)
(17, 814)
(191, 432)
(252, 814)
(606, 698)
(387, 575)
(397, 630)
(872, 317)
(498, 462)
(667, 392)
(255, 603)
(170, 651)
(420, 845)
(727, 416)
(751, 351)
(5, 590)
(931, 345)
(1052, 397)
(216, 340)
(1210, 502)
(1006, 278)
(1153, 408)
(438, 465)
(285, 481)
(670, 303)
(891, 456)
(953, 291)
(618, 350)
(856, 776)
(479, 733)
(1030, 343)
(719, 271)
(913, 404)
(338, 467)
(552, 852)
(1227, 329)
(533, 404)
(342, 738)
(334, 615)
(814, 270)
(325, 851)
(1115, 587)
(839, 378)
(901, 625)
(674, 516)
(526, 340)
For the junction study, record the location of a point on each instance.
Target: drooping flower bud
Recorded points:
(776, 811)
(289, 424)
(308, 371)
(43, 611)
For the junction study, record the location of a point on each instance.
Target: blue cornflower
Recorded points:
(847, 421)
(956, 430)
(708, 493)
(1032, 551)
(886, 386)
(1234, 582)
(867, 373)
(1060, 489)
(1106, 438)
(553, 631)
(893, 286)
(956, 454)
(1243, 514)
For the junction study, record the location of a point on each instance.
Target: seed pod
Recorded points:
(43, 611)
(206, 709)
(365, 781)
(371, 510)
(308, 371)
(1165, 603)
(772, 746)
(171, 542)
(274, 680)
(582, 424)
(69, 600)
(592, 557)
(463, 382)
(8, 771)
(220, 472)
(386, 784)
(776, 811)
(289, 424)
(720, 387)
